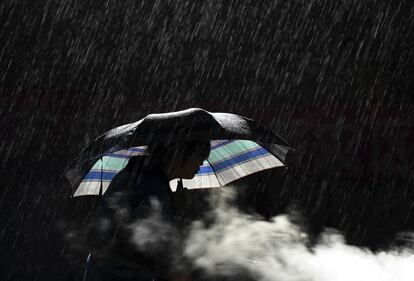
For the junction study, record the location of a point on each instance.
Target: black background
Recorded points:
(334, 78)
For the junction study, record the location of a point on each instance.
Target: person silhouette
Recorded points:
(134, 195)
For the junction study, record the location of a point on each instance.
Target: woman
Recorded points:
(140, 194)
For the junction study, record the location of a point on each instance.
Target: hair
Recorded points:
(160, 152)
(202, 146)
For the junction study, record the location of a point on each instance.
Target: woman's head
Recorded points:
(180, 160)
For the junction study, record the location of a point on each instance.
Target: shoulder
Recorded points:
(151, 181)
(151, 185)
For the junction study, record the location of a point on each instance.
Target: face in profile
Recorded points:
(194, 160)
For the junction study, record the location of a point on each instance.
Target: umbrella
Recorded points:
(239, 147)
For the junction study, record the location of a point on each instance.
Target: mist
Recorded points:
(233, 245)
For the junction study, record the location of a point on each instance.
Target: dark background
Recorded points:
(334, 78)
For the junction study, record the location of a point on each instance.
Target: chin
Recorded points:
(189, 177)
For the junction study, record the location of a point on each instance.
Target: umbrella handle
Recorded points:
(180, 186)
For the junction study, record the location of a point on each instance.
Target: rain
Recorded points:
(333, 78)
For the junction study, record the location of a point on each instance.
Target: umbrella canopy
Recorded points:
(229, 160)
(239, 147)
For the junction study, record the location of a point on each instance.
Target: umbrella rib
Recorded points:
(101, 185)
(214, 171)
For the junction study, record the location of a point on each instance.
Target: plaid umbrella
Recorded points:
(228, 161)
(239, 147)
